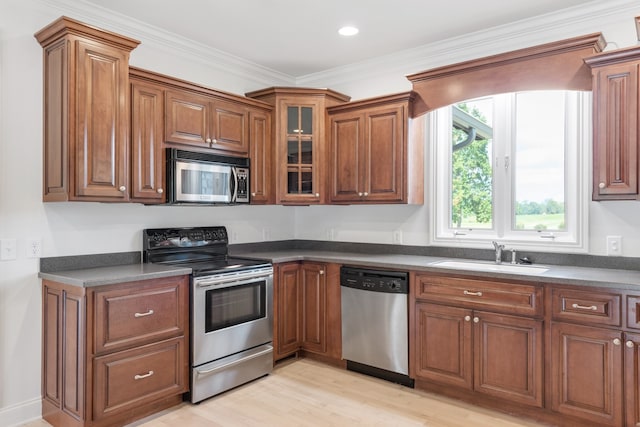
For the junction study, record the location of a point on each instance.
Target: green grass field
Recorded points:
(525, 222)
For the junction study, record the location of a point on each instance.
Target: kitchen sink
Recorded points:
(500, 268)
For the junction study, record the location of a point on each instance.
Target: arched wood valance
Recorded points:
(557, 65)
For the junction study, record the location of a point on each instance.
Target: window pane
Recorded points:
(539, 161)
(471, 167)
(307, 120)
(293, 151)
(293, 122)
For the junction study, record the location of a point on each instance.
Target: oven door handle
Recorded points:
(232, 281)
(234, 185)
(234, 363)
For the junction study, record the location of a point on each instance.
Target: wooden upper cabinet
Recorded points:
(147, 153)
(206, 122)
(86, 112)
(299, 141)
(372, 158)
(615, 124)
(261, 157)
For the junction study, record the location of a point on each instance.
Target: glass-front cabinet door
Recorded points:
(300, 153)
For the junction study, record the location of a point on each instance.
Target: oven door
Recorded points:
(232, 312)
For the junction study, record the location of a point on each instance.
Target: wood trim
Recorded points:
(298, 91)
(64, 26)
(373, 102)
(557, 65)
(638, 26)
(168, 82)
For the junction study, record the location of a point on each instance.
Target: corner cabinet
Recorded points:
(372, 156)
(299, 141)
(306, 318)
(86, 112)
(113, 354)
(616, 125)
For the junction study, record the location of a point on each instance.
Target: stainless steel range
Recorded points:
(231, 307)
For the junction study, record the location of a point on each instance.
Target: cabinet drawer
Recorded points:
(137, 313)
(633, 311)
(125, 380)
(585, 306)
(502, 296)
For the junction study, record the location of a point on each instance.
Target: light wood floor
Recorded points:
(307, 393)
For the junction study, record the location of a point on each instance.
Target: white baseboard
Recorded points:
(21, 413)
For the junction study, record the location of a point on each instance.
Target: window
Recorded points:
(512, 167)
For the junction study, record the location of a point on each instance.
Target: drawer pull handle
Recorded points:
(584, 307)
(143, 376)
(473, 294)
(148, 313)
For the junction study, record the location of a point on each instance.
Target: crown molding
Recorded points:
(165, 40)
(570, 22)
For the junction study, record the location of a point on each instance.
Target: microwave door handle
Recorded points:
(234, 185)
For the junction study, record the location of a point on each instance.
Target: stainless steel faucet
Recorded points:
(498, 247)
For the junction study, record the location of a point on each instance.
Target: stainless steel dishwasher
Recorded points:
(375, 322)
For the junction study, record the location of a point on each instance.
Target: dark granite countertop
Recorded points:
(97, 276)
(581, 276)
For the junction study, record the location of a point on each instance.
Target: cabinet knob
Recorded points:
(317, 194)
(366, 194)
(122, 188)
(476, 319)
(467, 318)
(602, 185)
(214, 141)
(253, 194)
(360, 194)
(208, 140)
(616, 341)
(629, 344)
(321, 272)
(160, 191)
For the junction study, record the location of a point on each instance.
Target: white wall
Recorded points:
(83, 228)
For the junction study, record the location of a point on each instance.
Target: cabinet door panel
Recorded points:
(508, 357)
(147, 155)
(347, 165)
(586, 373)
(102, 118)
(230, 128)
(314, 307)
(615, 156)
(443, 344)
(632, 379)
(186, 118)
(287, 310)
(384, 153)
(261, 158)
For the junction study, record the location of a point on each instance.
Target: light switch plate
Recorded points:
(8, 249)
(614, 245)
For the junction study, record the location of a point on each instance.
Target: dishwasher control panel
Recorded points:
(395, 282)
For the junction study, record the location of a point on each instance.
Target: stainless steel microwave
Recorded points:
(203, 178)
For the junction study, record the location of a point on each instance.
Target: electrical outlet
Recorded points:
(8, 249)
(614, 245)
(34, 248)
(397, 237)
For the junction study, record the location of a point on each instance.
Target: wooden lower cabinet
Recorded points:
(115, 353)
(307, 310)
(490, 353)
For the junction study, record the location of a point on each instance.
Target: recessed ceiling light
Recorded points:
(348, 31)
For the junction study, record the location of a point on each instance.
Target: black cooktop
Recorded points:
(203, 249)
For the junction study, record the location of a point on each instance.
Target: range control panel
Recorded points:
(395, 282)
